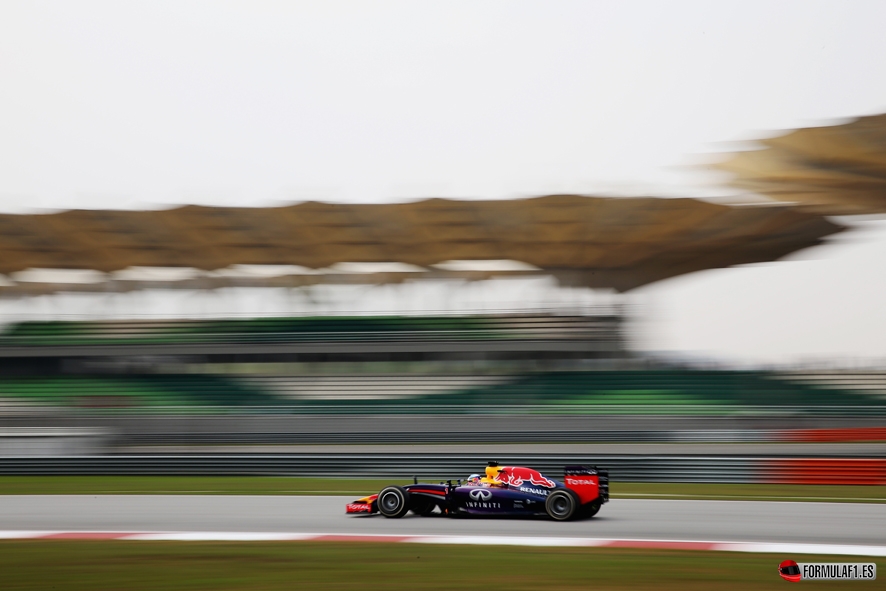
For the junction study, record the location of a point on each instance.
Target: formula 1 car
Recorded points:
(505, 490)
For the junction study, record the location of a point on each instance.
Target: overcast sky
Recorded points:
(134, 104)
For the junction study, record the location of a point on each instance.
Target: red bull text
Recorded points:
(516, 476)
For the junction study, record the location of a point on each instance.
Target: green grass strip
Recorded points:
(218, 566)
(259, 485)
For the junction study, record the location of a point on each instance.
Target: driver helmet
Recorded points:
(473, 479)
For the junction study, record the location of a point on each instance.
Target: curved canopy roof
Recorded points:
(837, 170)
(619, 243)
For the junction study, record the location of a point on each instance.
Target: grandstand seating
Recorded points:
(659, 387)
(871, 382)
(328, 388)
(328, 329)
(135, 391)
(595, 391)
(522, 376)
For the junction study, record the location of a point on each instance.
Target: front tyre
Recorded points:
(562, 505)
(393, 501)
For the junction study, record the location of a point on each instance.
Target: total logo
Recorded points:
(579, 481)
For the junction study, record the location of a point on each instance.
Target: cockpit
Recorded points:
(489, 479)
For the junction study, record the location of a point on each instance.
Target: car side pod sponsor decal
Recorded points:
(534, 491)
(827, 571)
(481, 499)
(516, 476)
(586, 486)
(480, 494)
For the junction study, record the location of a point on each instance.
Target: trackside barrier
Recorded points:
(47, 441)
(527, 436)
(826, 471)
(448, 437)
(623, 468)
(739, 411)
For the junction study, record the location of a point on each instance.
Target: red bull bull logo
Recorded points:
(516, 476)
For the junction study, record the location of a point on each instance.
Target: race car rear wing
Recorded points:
(589, 483)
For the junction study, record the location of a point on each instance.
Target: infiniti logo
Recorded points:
(481, 494)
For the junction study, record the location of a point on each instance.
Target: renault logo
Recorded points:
(481, 494)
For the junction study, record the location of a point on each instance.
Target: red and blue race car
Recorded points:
(504, 490)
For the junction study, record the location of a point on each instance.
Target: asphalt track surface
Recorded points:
(727, 521)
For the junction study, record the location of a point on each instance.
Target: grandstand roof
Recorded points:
(619, 243)
(836, 170)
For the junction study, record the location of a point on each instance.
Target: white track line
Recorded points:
(760, 547)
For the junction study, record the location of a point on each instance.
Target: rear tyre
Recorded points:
(591, 509)
(393, 501)
(562, 505)
(423, 507)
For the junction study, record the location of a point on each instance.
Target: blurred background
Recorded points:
(318, 233)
